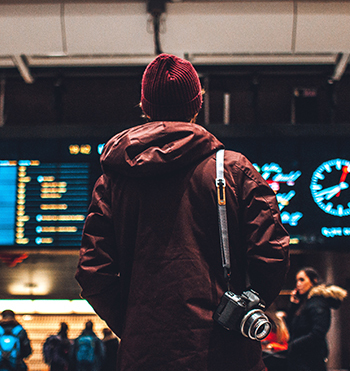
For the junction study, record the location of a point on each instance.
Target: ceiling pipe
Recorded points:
(340, 66)
(156, 8)
(21, 64)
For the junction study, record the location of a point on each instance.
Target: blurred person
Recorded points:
(88, 350)
(57, 350)
(277, 339)
(150, 260)
(14, 343)
(275, 345)
(309, 320)
(111, 343)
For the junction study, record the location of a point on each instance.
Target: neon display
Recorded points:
(279, 181)
(329, 188)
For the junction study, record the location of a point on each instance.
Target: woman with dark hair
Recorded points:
(309, 321)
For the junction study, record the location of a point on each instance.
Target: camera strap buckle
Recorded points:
(220, 188)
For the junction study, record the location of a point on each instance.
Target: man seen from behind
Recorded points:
(150, 261)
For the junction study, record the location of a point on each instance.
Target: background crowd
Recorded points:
(85, 353)
(297, 341)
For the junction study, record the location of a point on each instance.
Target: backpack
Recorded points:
(10, 346)
(85, 349)
(55, 350)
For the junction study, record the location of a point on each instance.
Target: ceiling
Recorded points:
(77, 33)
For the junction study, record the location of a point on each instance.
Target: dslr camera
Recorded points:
(243, 313)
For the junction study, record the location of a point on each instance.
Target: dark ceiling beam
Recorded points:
(220, 130)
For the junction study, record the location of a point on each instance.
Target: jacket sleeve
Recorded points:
(264, 239)
(98, 272)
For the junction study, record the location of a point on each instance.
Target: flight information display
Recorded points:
(46, 185)
(45, 191)
(43, 204)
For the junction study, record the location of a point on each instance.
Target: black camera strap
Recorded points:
(221, 200)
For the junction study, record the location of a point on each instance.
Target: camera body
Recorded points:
(243, 313)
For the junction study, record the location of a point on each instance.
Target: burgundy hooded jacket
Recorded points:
(150, 261)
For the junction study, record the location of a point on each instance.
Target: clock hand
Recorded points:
(343, 177)
(341, 186)
(332, 191)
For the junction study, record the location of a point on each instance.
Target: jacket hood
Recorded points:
(334, 294)
(156, 148)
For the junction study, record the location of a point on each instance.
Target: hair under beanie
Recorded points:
(171, 89)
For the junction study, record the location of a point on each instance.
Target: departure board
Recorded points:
(43, 204)
(45, 191)
(8, 192)
(46, 186)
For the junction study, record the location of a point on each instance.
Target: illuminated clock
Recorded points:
(330, 187)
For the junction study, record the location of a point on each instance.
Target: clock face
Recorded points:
(330, 187)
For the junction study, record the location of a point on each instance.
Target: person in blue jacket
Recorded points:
(14, 343)
(88, 350)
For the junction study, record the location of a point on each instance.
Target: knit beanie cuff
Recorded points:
(170, 112)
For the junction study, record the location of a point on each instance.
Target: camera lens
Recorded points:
(260, 329)
(255, 325)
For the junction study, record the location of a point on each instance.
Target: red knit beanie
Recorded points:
(171, 89)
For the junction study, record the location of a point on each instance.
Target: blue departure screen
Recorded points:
(43, 205)
(8, 193)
